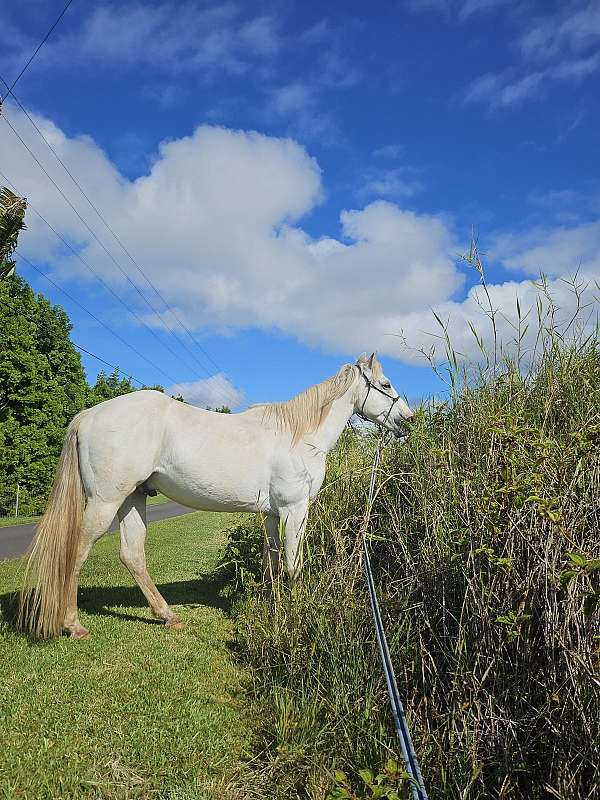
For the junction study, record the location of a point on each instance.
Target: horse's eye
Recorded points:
(386, 385)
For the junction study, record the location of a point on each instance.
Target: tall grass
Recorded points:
(486, 546)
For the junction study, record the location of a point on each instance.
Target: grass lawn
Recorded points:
(137, 711)
(159, 498)
(6, 521)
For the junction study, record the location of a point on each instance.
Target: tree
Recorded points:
(12, 215)
(109, 386)
(42, 387)
(221, 409)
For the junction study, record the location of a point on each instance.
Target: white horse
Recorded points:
(269, 459)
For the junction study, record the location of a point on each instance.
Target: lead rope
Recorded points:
(408, 752)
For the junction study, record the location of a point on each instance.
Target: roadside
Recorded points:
(10, 522)
(137, 711)
(15, 539)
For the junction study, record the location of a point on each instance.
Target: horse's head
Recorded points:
(376, 398)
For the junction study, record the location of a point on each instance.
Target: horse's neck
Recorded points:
(335, 422)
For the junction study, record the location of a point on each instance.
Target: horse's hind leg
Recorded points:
(96, 519)
(132, 516)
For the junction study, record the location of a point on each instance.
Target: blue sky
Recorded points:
(299, 179)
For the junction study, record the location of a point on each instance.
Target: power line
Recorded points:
(90, 269)
(87, 226)
(225, 398)
(36, 51)
(94, 317)
(107, 363)
(182, 325)
(102, 245)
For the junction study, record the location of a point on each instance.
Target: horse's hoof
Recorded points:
(79, 633)
(175, 625)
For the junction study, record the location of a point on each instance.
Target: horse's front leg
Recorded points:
(294, 519)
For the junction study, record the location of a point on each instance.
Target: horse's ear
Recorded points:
(362, 360)
(372, 359)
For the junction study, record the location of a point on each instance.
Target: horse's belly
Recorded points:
(219, 464)
(211, 494)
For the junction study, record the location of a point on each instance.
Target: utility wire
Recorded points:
(224, 397)
(88, 228)
(181, 324)
(107, 363)
(90, 269)
(9, 91)
(94, 317)
(36, 51)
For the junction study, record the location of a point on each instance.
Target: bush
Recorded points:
(486, 548)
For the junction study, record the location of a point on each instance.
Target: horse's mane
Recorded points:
(306, 412)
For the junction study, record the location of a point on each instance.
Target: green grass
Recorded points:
(137, 711)
(159, 498)
(5, 522)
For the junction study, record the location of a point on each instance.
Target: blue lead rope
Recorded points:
(408, 752)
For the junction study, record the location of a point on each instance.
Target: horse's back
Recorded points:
(201, 458)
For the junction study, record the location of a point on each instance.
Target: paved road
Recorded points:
(15, 539)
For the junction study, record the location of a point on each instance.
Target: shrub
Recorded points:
(486, 548)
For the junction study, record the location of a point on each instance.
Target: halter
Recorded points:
(370, 386)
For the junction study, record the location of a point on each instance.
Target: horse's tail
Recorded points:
(52, 555)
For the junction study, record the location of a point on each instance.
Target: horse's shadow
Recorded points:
(205, 590)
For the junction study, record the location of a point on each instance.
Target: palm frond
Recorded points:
(12, 221)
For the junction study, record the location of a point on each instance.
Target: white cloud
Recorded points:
(498, 90)
(213, 392)
(504, 90)
(574, 27)
(483, 88)
(470, 7)
(463, 8)
(391, 183)
(164, 36)
(335, 70)
(577, 67)
(552, 51)
(520, 90)
(555, 251)
(420, 332)
(302, 103)
(429, 5)
(298, 104)
(317, 33)
(388, 151)
(293, 97)
(260, 35)
(216, 225)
